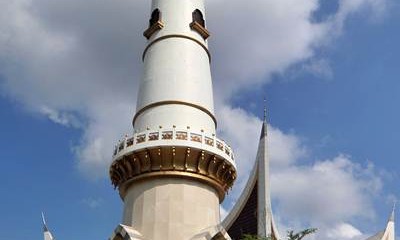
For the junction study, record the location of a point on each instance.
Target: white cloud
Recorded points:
(343, 231)
(329, 190)
(63, 118)
(267, 37)
(93, 202)
(319, 68)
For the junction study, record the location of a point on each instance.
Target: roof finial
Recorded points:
(264, 129)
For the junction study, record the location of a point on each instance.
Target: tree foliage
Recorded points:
(300, 235)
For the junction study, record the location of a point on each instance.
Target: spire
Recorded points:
(45, 229)
(264, 130)
(255, 198)
(265, 110)
(47, 234)
(266, 225)
(391, 218)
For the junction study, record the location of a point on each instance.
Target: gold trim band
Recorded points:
(156, 104)
(175, 36)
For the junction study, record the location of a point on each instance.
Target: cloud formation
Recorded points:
(329, 190)
(343, 231)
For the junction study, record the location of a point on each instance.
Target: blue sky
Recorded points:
(333, 93)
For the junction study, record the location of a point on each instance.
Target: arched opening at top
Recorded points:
(155, 17)
(198, 24)
(198, 17)
(155, 23)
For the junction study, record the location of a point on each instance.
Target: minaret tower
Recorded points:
(173, 173)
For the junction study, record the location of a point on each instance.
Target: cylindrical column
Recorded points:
(176, 88)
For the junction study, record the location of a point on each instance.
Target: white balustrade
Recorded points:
(173, 137)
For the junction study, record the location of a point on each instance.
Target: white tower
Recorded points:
(173, 173)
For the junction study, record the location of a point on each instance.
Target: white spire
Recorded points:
(265, 110)
(266, 224)
(257, 189)
(391, 218)
(264, 130)
(46, 233)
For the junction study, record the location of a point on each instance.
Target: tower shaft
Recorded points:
(176, 88)
(173, 172)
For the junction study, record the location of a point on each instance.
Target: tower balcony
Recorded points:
(173, 153)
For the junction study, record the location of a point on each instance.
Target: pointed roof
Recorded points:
(388, 233)
(252, 213)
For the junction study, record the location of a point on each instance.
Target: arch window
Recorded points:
(198, 17)
(155, 17)
(155, 23)
(198, 24)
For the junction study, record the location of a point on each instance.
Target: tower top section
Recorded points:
(189, 23)
(164, 22)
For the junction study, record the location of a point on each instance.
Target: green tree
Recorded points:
(300, 235)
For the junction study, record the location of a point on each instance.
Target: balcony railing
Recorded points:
(175, 136)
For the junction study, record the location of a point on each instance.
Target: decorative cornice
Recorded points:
(156, 104)
(173, 161)
(176, 36)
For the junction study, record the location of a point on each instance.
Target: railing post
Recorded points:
(215, 140)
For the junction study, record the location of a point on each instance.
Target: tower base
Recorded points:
(171, 208)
